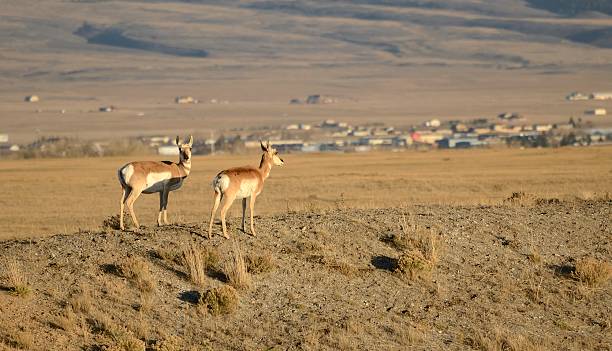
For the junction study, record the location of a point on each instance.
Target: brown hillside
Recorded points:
(529, 274)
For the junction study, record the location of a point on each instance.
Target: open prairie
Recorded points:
(50, 196)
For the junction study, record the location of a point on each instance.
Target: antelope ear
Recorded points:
(177, 140)
(268, 145)
(263, 147)
(190, 140)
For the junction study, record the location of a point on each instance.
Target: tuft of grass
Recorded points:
(419, 249)
(194, 262)
(170, 255)
(137, 270)
(81, 301)
(221, 300)
(259, 264)
(592, 272)
(235, 269)
(534, 256)
(127, 342)
(17, 281)
(66, 320)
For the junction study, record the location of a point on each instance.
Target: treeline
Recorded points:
(573, 7)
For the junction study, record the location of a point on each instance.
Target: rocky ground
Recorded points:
(506, 277)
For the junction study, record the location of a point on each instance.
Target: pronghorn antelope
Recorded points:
(150, 177)
(242, 183)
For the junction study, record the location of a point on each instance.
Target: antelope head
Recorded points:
(270, 153)
(185, 149)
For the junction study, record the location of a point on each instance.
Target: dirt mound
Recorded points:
(427, 277)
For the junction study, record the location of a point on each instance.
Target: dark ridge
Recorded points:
(597, 37)
(573, 7)
(115, 37)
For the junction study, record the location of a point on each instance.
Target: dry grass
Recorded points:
(257, 264)
(66, 320)
(193, 259)
(419, 178)
(81, 301)
(221, 300)
(235, 269)
(419, 249)
(16, 279)
(137, 270)
(126, 341)
(591, 272)
(500, 340)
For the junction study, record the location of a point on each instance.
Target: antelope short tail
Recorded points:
(220, 183)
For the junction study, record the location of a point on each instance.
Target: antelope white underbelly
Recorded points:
(247, 188)
(155, 181)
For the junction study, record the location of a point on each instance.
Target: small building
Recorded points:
(106, 109)
(596, 112)
(185, 100)
(305, 126)
(601, 96)
(460, 143)
(509, 116)
(433, 123)
(543, 127)
(573, 96)
(32, 98)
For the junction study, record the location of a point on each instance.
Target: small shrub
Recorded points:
(168, 343)
(125, 341)
(17, 281)
(193, 261)
(592, 272)
(138, 271)
(412, 264)
(222, 300)
(236, 270)
(259, 264)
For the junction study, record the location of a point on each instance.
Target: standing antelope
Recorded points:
(153, 177)
(242, 183)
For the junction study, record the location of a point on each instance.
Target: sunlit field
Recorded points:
(51, 196)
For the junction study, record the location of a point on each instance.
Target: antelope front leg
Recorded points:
(243, 213)
(163, 204)
(252, 208)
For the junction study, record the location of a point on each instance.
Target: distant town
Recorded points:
(508, 129)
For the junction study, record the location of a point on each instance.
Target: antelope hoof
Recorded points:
(226, 236)
(253, 232)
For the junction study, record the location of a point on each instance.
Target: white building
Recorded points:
(596, 112)
(32, 98)
(601, 96)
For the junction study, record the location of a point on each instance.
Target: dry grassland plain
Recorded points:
(51, 196)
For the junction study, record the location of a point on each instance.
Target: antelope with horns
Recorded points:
(242, 183)
(150, 177)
